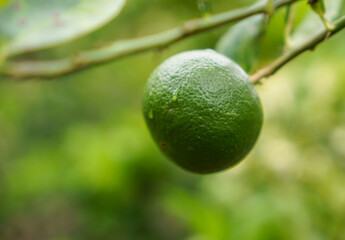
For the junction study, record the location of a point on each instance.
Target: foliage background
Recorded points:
(77, 161)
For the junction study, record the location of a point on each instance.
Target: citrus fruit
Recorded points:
(202, 111)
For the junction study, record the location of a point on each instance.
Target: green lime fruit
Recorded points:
(202, 110)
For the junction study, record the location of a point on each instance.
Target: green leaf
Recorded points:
(318, 6)
(240, 42)
(312, 24)
(30, 25)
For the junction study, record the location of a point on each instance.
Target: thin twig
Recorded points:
(83, 60)
(293, 53)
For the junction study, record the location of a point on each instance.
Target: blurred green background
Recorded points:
(77, 162)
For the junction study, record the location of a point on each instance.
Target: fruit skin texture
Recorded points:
(202, 111)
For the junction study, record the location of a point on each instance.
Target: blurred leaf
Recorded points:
(240, 42)
(36, 24)
(270, 7)
(3, 2)
(288, 11)
(313, 25)
(318, 6)
(289, 23)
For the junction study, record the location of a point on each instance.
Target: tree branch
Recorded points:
(308, 45)
(59, 67)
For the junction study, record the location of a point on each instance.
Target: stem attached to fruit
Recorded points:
(87, 59)
(294, 52)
